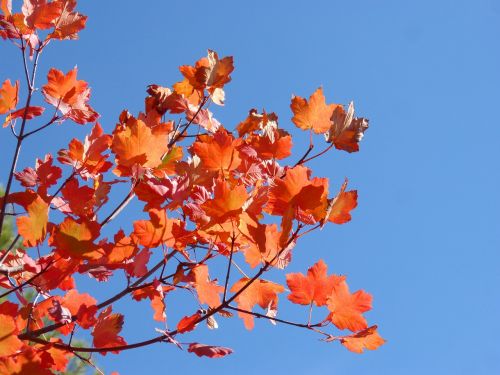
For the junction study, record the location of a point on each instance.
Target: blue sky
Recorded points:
(425, 237)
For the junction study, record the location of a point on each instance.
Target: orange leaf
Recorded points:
(202, 350)
(69, 95)
(260, 292)
(366, 339)
(209, 72)
(279, 147)
(33, 227)
(314, 114)
(218, 152)
(346, 309)
(315, 287)
(29, 113)
(134, 143)
(41, 14)
(228, 201)
(208, 291)
(156, 293)
(88, 157)
(75, 238)
(106, 330)
(159, 230)
(69, 23)
(8, 96)
(9, 343)
(342, 204)
(346, 131)
(187, 323)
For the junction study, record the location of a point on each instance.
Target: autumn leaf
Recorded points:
(315, 287)
(208, 291)
(33, 227)
(44, 175)
(89, 157)
(8, 96)
(156, 294)
(160, 229)
(69, 95)
(228, 201)
(76, 238)
(135, 144)
(69, 23)
(218, 152)
(106, 330)
(202, 350)
(338, 209)
(188, 323)
(27, 113)
(346, 309)
(211, 73)
(41, 14)
(314, 114)
(346, 131)
(260, 292)
(9, 343)
(366, 339)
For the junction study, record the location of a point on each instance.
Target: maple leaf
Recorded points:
(9, 343)
(134, 144)
(265, 247)
(208, 291)
(211, 73)
(76, 238)
(346, 131)
(258, 121)
(338, 210)
(228, 201)
(218, 152)
(160, 229)
(315, 287)
(69, 95)
(33, 227)
(41, 14)
(44, 175)
(366, 339)
(188, 323)
(346, 309)
(106, 330)
(202, 350)
(69, 23)
(314, 114)
(279, 146)
(123, 248)
(260, 292)
(156, 293)
(8, 96)
(27, 113)
(88, 158)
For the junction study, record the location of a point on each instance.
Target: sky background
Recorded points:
(424, 239)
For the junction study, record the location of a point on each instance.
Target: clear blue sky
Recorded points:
(425, 237)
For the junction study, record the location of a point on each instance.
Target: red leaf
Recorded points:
(187, 323)
(315, 287)
(346, 131)
(261, 292)
(314, 114)
(366, 339)
(8, 96)
(69, 95)
(106, 330)
(202, 350)
(346, 309)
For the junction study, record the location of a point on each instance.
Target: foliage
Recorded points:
(211, 197)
